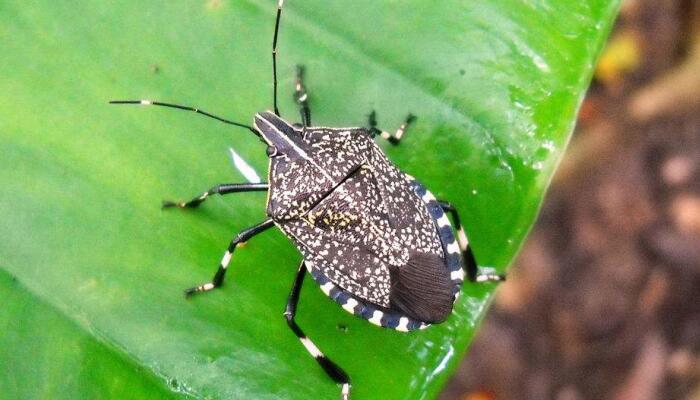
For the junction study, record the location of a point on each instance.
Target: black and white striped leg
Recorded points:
(396, 137)
(222, 189)
(473, 272)
(301, 97)
(333, 370)
(221, 272)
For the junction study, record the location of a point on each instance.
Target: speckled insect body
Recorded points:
(375, 240)
(360, 224)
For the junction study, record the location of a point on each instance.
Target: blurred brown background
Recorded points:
(603, 302)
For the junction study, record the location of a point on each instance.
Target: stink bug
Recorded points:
(375, 239)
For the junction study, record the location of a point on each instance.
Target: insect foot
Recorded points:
(170, 204)
(222, 189)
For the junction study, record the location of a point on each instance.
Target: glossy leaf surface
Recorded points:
(92, 270)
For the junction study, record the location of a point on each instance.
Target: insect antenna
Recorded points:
(186, 108)
(274, 57)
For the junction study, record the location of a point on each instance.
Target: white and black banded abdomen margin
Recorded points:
(376, 315)
(450, 247)
(381, 316)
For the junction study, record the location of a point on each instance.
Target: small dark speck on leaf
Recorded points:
(462, 72)
(155, 68)
(342, 328)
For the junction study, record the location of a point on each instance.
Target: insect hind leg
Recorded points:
(396, 137)
(221, 272)
(473, 272)
(301, 97)
(332, 369)
(221, 189)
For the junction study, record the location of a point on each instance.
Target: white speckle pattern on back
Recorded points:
(354, 228)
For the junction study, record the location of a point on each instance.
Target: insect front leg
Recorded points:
(222, 189)
(301, 97)
(221, 272)
(396, 137)
(473, 272)
(332, 369)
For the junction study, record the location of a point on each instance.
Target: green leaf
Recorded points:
(92, 270)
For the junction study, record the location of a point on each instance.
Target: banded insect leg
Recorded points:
(332, 369)
(222, 189)
(396, 137)
(301, 97)
(221, 272)
(472, 267)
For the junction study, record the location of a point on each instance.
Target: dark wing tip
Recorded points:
(422, 288)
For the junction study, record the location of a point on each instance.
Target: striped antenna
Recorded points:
(274, 57)
(186, 108)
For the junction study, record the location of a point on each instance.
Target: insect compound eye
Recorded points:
(271, 151)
